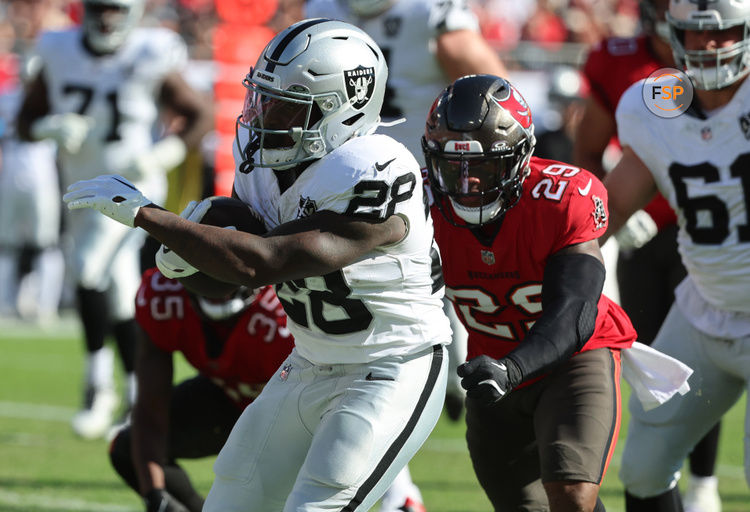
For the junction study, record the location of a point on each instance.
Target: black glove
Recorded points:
(159, 500)
(489, 380)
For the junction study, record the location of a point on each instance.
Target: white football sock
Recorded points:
(50, 267)
(100, 369)
(9, 280)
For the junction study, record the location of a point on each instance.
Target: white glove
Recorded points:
(163, 156)
(637, 231)
(169, 262)
(196, 210)
(68, 130)
(112, 195)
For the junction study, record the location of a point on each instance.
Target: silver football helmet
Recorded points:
(317, 84)
(107, 23)
(478, 143)
(721, 67)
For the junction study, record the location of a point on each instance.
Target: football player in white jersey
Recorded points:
(428, 44)
(98, 96)
(29, 216)
(351, 251)
(699, 162)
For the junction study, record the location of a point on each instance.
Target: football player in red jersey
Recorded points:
(611, 67)
(648, 269)
(236, 345)
(522, 266)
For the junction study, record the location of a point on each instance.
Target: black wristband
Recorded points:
(515, 376)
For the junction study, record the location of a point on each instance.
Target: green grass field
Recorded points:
(44, 467)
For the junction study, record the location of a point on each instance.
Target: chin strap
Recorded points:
(388, 124)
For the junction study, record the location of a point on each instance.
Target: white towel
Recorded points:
(654, 376)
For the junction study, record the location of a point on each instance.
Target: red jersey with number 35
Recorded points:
(497, 289)
(254, 346)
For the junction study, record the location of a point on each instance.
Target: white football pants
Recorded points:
(658, 440)
(325, 438)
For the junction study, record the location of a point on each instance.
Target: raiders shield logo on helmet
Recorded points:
(360, 83)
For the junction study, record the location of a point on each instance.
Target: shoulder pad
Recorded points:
(163, 47)
(52, 41)
(366, 157)
(451, 15)
(630, 113)
(359, 177)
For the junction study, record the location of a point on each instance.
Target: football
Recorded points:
(223, 212)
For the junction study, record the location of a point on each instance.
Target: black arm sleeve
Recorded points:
(570, 293)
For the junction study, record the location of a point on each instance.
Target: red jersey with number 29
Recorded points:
(254, 345)
(497, 289)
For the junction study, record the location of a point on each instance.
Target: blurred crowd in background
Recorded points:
(561, 29)
(543, 43)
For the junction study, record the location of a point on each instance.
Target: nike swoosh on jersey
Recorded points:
(380, 167)
(585, 190)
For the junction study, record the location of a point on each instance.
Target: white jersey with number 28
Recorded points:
(389, 302)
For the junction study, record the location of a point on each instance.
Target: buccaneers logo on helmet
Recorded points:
(477, 144)
(516, 106)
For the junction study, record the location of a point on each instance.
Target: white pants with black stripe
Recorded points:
(659, 439)
(329, 438)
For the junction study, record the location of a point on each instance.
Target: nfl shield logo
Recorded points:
(360, 84)
(284, 374)
(488, 257)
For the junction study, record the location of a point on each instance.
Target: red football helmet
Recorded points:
(477, 144)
